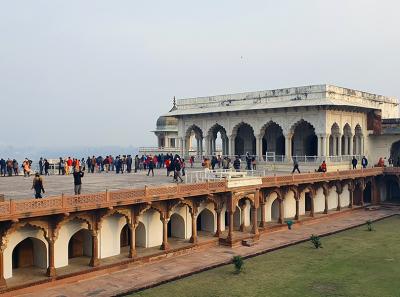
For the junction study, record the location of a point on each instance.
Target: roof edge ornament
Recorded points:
(173, 105)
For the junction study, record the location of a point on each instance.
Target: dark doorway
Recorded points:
(22, 255)
(367, 193)
(125, 236)
(308, 202)
(80, 244)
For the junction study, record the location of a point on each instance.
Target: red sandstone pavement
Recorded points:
(150, 274)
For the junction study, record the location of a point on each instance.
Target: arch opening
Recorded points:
(245, 141)
(205, 221)
(176, 226)
(395, 153)
(346, 138)
(80, 244)
(273, 140)
(367, 196)
(140, 235)
(334, 139)
(304, 141)
(219, 144)
(125, 236)
(275, 210)
(30, 252)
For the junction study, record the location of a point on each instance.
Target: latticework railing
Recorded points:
(14, 209)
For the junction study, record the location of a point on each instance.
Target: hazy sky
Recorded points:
(101, 72)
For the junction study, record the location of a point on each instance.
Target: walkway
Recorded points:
(145, 275)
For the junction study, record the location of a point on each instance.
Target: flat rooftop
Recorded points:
(322, 95)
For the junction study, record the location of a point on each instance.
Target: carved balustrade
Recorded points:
(14, 209)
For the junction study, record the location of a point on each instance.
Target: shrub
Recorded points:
(238, 263)
(316, 241)
(369, 225)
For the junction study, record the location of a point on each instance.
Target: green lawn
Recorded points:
(352, 263)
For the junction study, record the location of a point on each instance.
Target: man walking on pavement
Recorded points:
(37, 185)
(78, 174)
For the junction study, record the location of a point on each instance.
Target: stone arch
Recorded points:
(35, 247)
(193, 132)
(125, 236)
(346, 138)
(270, 209)
(205, 221)
(176, 226)
(80, 244)
(65, 230)
(273, 140)
(334, 139)
(151, 218)
(367, 195)
(245, 140)
(214, 142)
(289, 203)
(395, 153)
(306, 200)
(392, 188)
(304, 140)
(237, 218)
(140, 235)
(110, 233)
(358, 140)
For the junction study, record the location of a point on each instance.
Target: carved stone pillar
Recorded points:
(339, 145)
(51, 270)
(254, 217)
(193, 238)
(94, 260)
(259, 139)
(351, 194)
(132, 242)
(165, 244)
(207, 143)
(232, 144)
(230, 230)
(351, 150)
(288, 147)
(218, 232)
(3, 283)
(339, 191)
(334, 145)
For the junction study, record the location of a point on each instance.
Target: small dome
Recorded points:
(166, 121)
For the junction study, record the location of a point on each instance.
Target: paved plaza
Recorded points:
(17, 187)
(147, 275)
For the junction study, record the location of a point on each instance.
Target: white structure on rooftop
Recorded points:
(311, 123)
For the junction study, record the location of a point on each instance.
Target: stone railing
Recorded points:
(17, 209)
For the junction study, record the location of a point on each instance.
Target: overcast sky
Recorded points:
(100, 72)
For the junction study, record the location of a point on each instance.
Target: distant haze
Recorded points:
(99, 73)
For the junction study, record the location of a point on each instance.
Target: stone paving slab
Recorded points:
(150, 274)
(17, 187)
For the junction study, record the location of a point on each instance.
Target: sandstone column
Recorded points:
(288, 147)
(254, 217)
(351, 149)
(259, 147)
(94, 260)
(193, 238)
(230, 230)
(326, 193)
(218, 232)
(51, 270)
(165, 245)
(132, 242)
(339, 145)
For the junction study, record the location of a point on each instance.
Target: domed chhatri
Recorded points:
(164, 121)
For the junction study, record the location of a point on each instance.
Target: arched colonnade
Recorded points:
(300, 139)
